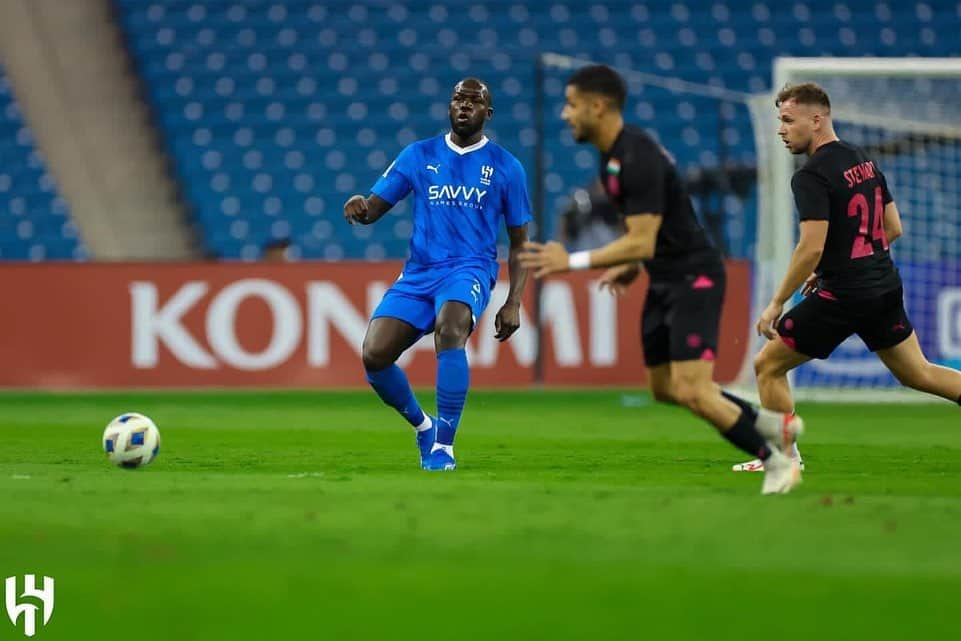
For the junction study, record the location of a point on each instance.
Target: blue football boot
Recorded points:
(439, 461)
(425, 439)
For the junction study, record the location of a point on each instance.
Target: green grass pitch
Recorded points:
(575, 515)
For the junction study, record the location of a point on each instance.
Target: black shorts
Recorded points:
(681, 318)
(819, 323)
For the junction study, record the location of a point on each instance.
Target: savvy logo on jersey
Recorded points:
(456, 194)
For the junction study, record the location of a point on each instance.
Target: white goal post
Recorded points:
(906, 113)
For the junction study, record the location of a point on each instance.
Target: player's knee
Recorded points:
(375, 359)
(450, 336)
(693, 395)
(760, 364)
(684, 392)
(765, 366)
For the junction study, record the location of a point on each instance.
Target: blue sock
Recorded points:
(392, 386)
(453, 379)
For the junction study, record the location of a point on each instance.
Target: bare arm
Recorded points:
(636, 244)
(365, 211)
(508, 319)
(892, 222)
(805, 259)
(518, 273)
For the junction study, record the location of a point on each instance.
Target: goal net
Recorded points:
(906, 113)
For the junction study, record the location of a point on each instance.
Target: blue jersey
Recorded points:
(461, 195)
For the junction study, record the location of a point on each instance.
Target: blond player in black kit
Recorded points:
(683, 306)
(842, 263)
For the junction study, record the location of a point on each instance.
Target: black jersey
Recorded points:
(640, 178)
(841, 185)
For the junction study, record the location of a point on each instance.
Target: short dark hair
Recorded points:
(805, 93)
(481, 85)
(600, 79)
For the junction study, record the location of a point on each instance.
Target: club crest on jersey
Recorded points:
(486, 172)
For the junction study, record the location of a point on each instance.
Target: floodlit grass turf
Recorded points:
(575, 515)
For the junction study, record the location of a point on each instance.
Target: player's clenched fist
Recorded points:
(355, 210)
(507, 321)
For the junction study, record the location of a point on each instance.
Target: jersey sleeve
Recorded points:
(643, 183)
(812, 196)
(517, 202)
(397, 180)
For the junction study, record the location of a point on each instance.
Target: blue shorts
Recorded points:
(418, 295)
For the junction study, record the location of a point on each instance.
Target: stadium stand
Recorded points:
(274, 112)
(35, 222)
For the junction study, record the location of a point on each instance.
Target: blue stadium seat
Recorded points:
(34, 221)
(275, 112)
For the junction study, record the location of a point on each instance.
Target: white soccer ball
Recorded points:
(131, 440)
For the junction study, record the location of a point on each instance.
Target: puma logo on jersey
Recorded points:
(458, 192)
(434, 168)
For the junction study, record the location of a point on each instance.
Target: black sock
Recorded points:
(740, 402)
(745, 436)
(959, 400)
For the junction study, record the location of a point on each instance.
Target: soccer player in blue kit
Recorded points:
(463, 186)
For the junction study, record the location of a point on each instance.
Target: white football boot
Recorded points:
(781, 474)
(783, 432)
(757, 465)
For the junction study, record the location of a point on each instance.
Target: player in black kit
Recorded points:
(842, 262)
(687, 279)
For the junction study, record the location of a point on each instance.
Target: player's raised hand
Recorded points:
(507, 321)
(545, 258)
(809, 285)
(618, 278)
(355, 209)
(769, 318)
